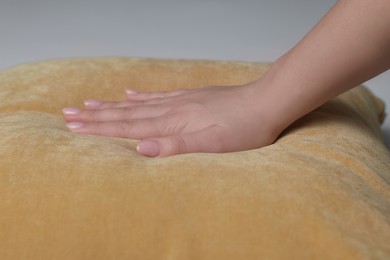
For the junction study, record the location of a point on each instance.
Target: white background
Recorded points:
(249, 30)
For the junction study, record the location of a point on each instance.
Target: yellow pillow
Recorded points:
(321, 191)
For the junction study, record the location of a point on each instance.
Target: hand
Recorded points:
(212, 119)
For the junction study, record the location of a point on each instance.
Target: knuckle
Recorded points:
(124, 126)
(126, 111)
(93, 114)
(182, 145)
(142, 102)
(178, 145)
(171, 124)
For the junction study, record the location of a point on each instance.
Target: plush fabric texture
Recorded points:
(321, 191)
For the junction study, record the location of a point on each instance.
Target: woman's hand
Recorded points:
(212, 119)
(334, 56)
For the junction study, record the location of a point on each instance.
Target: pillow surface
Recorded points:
(321, 191)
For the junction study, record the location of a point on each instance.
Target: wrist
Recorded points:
(276, 98)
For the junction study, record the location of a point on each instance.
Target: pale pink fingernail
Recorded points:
(148, 148)
(92, 103)
(131, 92)
(70, 111)
(75, 125)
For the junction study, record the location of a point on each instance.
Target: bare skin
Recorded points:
(348, 46)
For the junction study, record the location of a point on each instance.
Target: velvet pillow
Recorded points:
(320, 191)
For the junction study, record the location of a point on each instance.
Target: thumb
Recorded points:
(202, 141)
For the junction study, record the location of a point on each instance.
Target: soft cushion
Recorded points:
(320, 191)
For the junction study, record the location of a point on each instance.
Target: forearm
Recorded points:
(350, 45)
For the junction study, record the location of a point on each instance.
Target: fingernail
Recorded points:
(75, 125)
(148, 148)
(71, 111)
(92, 103)
(131, 92)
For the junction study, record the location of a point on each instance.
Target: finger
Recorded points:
(93, 104)
(135, 98)
(132, 129)
(115, 113)
(207, 140)
(134, 95)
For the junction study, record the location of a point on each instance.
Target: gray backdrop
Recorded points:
(250, 30)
